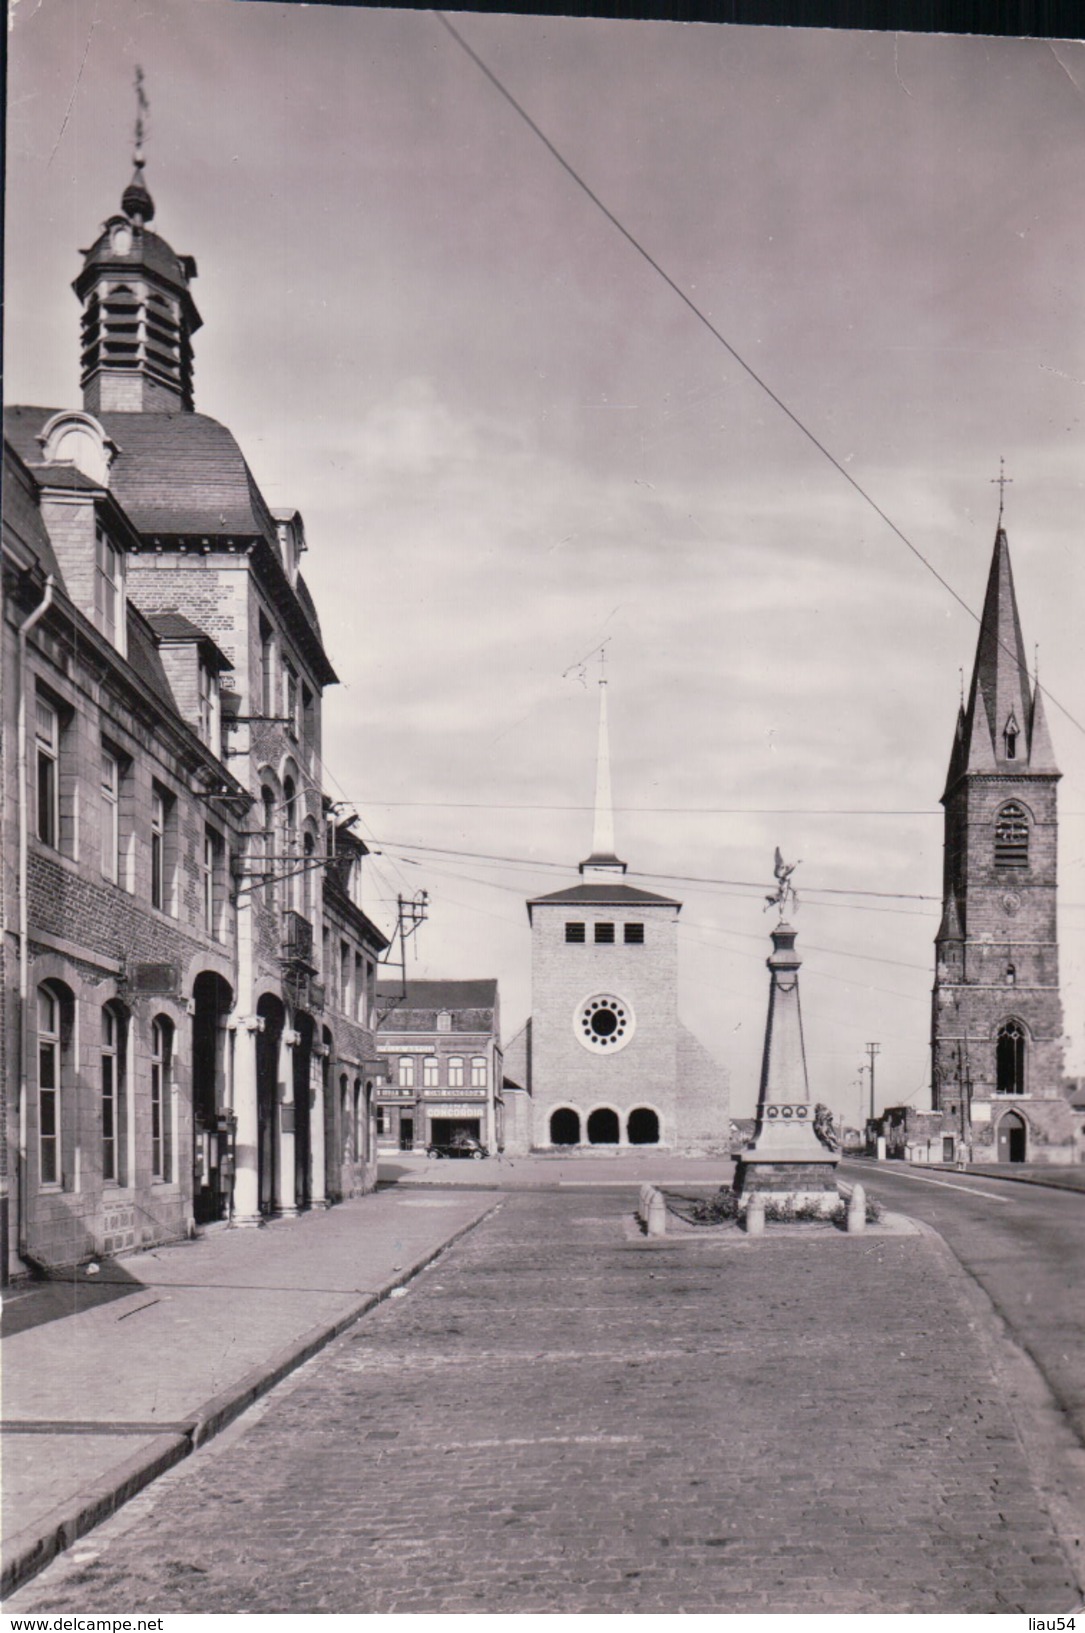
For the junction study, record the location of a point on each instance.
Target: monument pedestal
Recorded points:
(786, 1159)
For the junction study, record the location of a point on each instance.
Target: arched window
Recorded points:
(430, 1072)
(643, 1126)
(345, 1121)
(55, 1016)
(478, 1071)
(114, 1087)
(161, 1080)
(1011, 837)
(308, 852)
(603, 1127)
(455, 1071)
(564, 1127)
(290, 838)
(358, 1123)
(406, 1071)
(267, 803)
(1010, 1059)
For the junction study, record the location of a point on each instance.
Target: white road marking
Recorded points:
(947, 1184)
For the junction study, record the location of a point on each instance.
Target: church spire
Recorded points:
(1003, 728)
(603, 859)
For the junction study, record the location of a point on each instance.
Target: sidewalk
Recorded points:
(97, 1403)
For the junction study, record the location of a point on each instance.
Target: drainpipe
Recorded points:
(24, 921)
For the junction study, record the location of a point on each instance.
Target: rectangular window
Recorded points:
(113, 1090)
(378, 1119)
(111, 816)
(210, 716)
(345, 966)
(212, 882)
(574, 932)
(49, 1046)
(267, 668)
(406, 1072)
(47, 749)
(430, 1074)
(455, 1072)
(478, 1072)
(604, 933)
(290, 696)
(634, 935)
(161, 1072)
(360, 1013)
(108, 588)
(163, 850)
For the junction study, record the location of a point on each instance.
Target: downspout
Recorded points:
(24, 917)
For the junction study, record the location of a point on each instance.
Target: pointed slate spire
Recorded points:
(998, 729)
(950, 928)
(603, 859)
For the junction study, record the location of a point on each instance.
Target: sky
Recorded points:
(512, 441)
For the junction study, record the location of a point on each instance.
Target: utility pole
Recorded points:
(872, 1049)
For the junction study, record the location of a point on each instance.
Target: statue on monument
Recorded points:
(825, 1127)
(785, 890)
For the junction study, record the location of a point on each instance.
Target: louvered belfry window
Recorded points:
(1011, 837)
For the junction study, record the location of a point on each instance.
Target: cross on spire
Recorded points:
(1003, 481)
(142, 108)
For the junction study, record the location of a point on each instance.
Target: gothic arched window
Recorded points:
(1010, 1059)
(1011, 837)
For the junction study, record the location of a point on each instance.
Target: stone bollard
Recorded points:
(857, 1211)
(755, 1215)
(656, 1220)
(644, 1203)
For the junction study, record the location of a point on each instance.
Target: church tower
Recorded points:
(604, 1058)
(996, 1032)
(138, 314)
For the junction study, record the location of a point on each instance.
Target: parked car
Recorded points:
(460, 1145)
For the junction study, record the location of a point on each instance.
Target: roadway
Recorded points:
(1024, 1244)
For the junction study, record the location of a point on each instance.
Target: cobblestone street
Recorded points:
(558, 1417)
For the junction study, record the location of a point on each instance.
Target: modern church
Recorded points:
(604, 1059)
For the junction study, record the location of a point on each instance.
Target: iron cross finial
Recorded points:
(1003, 481)
(142, 107)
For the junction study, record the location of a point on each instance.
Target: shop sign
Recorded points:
(455, 1111)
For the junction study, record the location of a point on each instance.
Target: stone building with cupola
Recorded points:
(997, 1021)
(604, 1060)
(187, 619)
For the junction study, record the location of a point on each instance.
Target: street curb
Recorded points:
(31, 1549)
(891, 1165)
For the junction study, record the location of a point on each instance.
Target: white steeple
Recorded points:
(603, 862)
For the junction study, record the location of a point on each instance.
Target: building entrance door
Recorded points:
(1012, 1138)
(406, 1133)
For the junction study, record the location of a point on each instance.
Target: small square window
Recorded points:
(634, 935)
(604, 933)
(574, 932)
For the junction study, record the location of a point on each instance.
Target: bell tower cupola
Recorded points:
(138, 313)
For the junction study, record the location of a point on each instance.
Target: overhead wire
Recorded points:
(702, 318)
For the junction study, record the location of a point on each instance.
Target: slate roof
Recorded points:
(442, 994)
(604, 895)
(22, 516)
(174, 626)
(144, 658)
(150, 251)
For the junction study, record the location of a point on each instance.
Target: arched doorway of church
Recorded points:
(643, 1126)
(271, 1012)
(1012, 1138)
(603, 1126)
(564, 1127)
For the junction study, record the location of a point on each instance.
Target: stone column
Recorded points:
(247, 1139)
(284, 1124)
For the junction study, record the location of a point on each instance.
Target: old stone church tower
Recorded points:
(996, 1032)
(604, 1059)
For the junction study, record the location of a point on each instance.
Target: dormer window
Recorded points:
(210, 703)
(72, 438)
(120, 240)
(109, 573)
(1010, 736)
